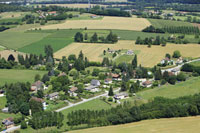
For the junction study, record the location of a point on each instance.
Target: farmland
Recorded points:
(12, 75)
(147, 56)
(75, 5)
(182, 125)
(163, 23)
(121, 23)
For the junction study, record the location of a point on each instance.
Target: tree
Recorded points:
(94, 38)
(181, 77)
(86, 36)
(172, 80)
(176, 54)
(104, 52)
(45, 78)
(11, 58)
(40, 94)
(78, 37)
(110, 93)
(23, 125)
(134, 62)
(168, 56)
(72, 57)
(24, 108)
(37, 77)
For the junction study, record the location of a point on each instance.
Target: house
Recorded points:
(44, 104)
(92, 88)
(175, 71)
(179, 61)
(108, 81)
(147, 84)
(95, 82)
(111, 51)
(2, 93)
(53, 96)
(94, 16)
(38, 85)
(8, 123)
(5, 110)
(121, 95)
(62, 74)
(115, 76)
(72, 91)
(129, 52)
(53, 13)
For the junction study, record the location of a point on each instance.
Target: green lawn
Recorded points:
(197, 63)
(2, 102)
(189, 87)
(12, 75)
(57, 39)
(6, 115)
(160, 23)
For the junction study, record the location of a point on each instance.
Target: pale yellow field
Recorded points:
(122, 23)
(173, 125)
(76, 5)
(147, 57)
(115, 0)
(11, 14)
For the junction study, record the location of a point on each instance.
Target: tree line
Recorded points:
(182, 29)
(151, 41)
(152, 29)
(111, 38)
(3, 28)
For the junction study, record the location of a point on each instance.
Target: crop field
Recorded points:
(12, 75)
(57, 39)
(76, 5)
(6, 53)
(147, 57)
(189, 87)
(121, 23)
(171, 125)
(159, 23)
(11, 15)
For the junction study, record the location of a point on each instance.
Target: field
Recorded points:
(189, 87)
(7, 15)
(147, 57)
(159, 23)
(75, 5)
(6, 53)
(57, 39)
(172, 125)
(121, 23)
(2, 102)
(12, 75)
(197, 63)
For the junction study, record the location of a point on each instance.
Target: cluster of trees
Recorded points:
(3, 28)
(9, 23)
(126, 113)
(169, 1)
(111, 38)
(30, 19)
(182, 29)
(61, 83)
(152, 29)
(151, 41)
(7, 64)
(46, 119)
(191, 68)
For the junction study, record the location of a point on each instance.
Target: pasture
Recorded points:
(147, 57)
(76, 5)
(170, 125)
(14, 75)
(159, 23)
(189, 87)
(6, 15)
(121, 23)
(2, 102)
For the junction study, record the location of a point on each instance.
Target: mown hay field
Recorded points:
(160, 23)
(121, 23)
(147, 57)
(11, 14)
(170, 125)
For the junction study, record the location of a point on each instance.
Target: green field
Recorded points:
(2, 102)
(189, 87)
(57, 39)
(197, 63)
(170, 125)
(159, 23)
(12, 75)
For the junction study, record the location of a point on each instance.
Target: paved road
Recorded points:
(179, 66)
(85, 100)
(12, 129)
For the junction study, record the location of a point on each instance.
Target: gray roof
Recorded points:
(90, 87)
(53, 94)
(121, 94)
(95, 82)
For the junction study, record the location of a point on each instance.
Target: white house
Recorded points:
(108, 81)
(95, 82)
(92, 88)
(53, 96)
(121, 95)
(72, 91)
(147, 84)
(176, 71)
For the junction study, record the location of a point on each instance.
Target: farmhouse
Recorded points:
(38, 85)
(108, 81)
(175, 71)
(8, 123)
(129, 52)
(72, 91)
(179, 61)
(53, 96)
(115, 76)
(53, 13)
(94, 16)
(95, 82)
(147, 84)
(92, 88)
(44, 104)
(121, 95)
(62, 74)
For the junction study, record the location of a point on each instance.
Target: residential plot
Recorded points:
(123, 23)
(147, 57)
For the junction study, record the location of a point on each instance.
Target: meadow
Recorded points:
(159, 23)
(121, 23)
(75, 5)
(147, 57)
(14, 75)
(171, 125)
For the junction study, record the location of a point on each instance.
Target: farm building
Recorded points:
(8, 123)
(121, 95)
(108, 81)
(95, 82)
(53, 96)
(147, 84)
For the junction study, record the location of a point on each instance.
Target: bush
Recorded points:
(181, 77)
(23, 125)
(176, 54)
(110, 99)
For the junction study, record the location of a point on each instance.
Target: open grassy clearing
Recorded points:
(197, 63)
(2, 102)
(189, 87)
(12, 75)
(159, 23)
(147, 57)
(121, 23)
(57, 39)
(172, 125)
